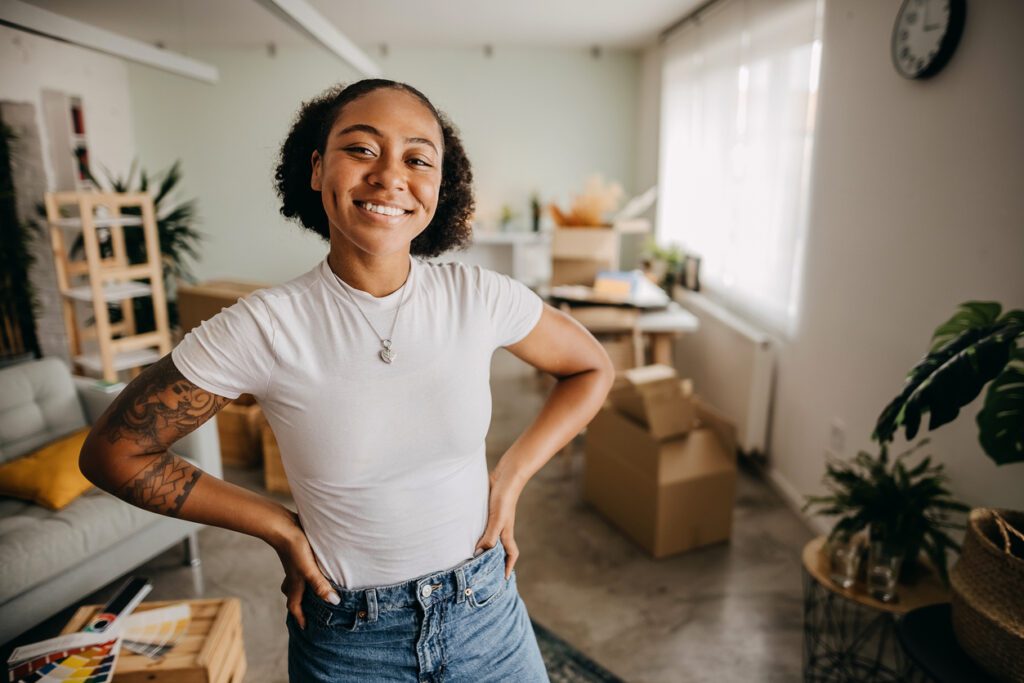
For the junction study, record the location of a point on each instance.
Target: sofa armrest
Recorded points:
(94, 400)
(202, 446)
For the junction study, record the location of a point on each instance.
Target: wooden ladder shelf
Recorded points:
(108, 280)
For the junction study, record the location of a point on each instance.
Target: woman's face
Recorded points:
(384, 152)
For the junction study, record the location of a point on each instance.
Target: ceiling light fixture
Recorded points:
(303, 16)
(34, 19)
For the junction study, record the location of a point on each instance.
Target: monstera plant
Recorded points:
(979, 345)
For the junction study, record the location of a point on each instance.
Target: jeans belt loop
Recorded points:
(371, 605)
(460, 585)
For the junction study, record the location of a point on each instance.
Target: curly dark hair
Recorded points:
(451, 226)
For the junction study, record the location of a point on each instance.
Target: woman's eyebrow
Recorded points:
(366, 128)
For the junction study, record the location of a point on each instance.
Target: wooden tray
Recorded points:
(211, 651)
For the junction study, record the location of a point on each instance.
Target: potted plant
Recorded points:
(178, 238)
(979, 345)
(18, 300)
(904, 508)
(665, 264)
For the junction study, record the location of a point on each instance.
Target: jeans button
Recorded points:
(426, 591)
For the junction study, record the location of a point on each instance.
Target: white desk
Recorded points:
(526, 256)
(664, 326)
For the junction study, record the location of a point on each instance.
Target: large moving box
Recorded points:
(204, 300)
(668, 495)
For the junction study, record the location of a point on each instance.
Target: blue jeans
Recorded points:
(466, 623)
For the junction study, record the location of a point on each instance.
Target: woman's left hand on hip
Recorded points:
(501, 520)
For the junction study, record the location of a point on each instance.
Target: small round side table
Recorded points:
(849, 635)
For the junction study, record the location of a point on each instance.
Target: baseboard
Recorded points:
(794, 501)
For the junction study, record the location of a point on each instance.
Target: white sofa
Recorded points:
(49, 560)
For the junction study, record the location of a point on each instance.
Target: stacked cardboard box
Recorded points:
(238, 423)
(661, 464)
(204, 300)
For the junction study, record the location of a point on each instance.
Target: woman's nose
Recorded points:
(387, 172)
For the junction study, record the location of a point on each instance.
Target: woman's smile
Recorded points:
(382, 213)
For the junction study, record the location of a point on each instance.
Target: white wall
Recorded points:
(531, 119)
(916, 206)
(30, 63)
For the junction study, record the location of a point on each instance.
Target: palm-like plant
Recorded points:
(909, 506)
(174, 227)
(975, 346)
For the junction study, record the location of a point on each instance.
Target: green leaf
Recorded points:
(954, 374)
(971, 315)
(1001, 420)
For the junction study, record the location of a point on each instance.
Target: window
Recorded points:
(739, 88)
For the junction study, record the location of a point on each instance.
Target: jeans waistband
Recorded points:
(423, 590)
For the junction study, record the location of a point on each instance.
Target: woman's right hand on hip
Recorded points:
(300, 568)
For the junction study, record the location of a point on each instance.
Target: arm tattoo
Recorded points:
(162, 486)
(158, 400)
(156, 409)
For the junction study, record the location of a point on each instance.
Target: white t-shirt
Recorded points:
(386, 462)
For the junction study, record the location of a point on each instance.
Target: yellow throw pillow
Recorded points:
(49, 476)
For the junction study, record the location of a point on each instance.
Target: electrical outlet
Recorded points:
(837, 436)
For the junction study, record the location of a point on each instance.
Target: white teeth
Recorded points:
(386, 210)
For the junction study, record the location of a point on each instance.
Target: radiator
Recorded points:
(732, 365)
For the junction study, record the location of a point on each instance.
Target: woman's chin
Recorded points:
(381, 247)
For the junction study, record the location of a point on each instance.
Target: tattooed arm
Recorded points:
(126, 454)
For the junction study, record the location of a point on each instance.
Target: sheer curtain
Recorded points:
(739, 87)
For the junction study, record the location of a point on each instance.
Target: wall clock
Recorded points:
(925, 36)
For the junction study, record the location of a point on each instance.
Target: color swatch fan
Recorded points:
(154, 632)
(88, 656)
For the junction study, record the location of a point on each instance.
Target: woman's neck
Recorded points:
(377, 276)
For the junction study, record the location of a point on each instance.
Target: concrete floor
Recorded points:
(731, 612)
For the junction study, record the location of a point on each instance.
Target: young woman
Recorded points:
(373, 371)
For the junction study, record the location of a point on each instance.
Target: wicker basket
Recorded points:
(988, 593)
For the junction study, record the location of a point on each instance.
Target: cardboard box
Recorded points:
(202, 301)
(211, 651)
(579, 254)
(238, 425)
(274, 477)
(655, 397)
(669, 496)
(621, 349)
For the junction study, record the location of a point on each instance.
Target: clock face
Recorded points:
(925, 35)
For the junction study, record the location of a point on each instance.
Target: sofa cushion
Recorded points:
(49, 476)
(38, 405)
(37, 544)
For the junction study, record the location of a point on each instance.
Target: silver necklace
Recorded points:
(387, 354)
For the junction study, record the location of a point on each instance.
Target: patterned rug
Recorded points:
(566, 664)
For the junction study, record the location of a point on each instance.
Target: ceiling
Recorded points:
(181, 24)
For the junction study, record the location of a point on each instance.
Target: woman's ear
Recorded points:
(316, 178)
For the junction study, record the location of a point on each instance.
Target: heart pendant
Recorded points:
(387, 355)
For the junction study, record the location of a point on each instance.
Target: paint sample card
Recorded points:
(89, 664)
(154, 632)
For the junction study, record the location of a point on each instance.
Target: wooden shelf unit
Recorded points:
(108, 280)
